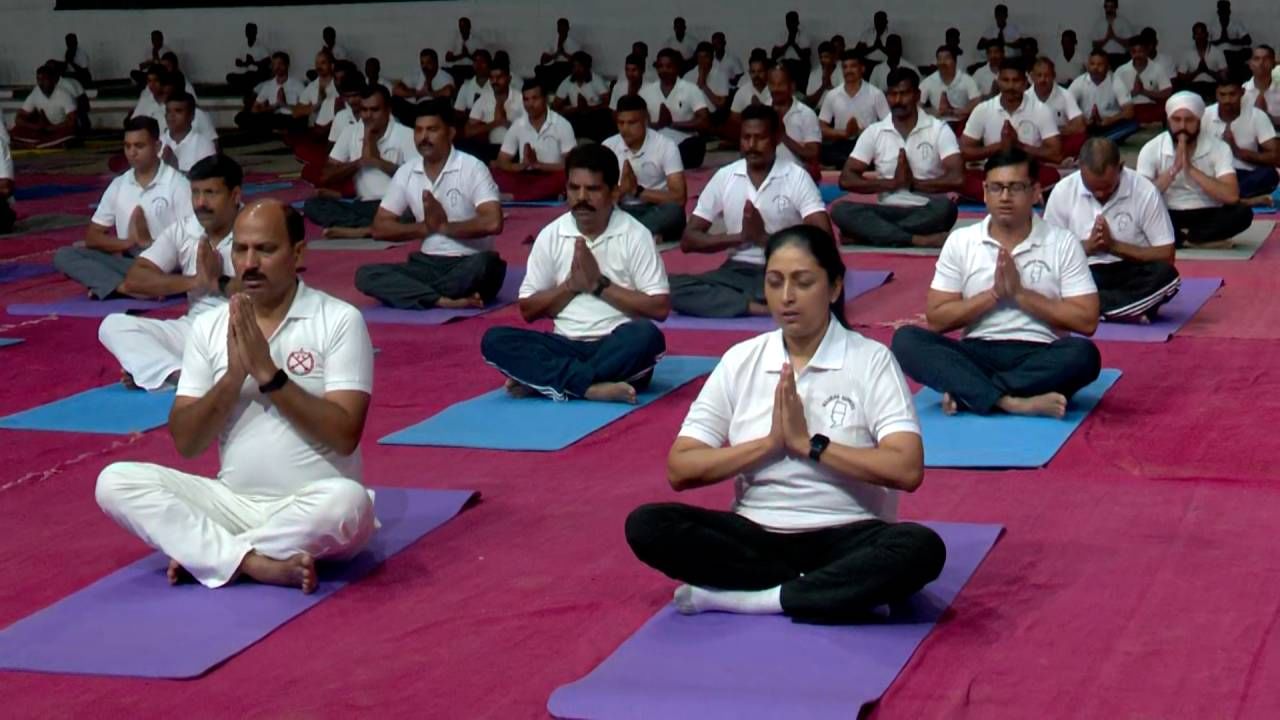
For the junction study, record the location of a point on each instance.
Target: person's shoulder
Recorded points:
(1055, 236)
(333, 310)
(1138, 184)
(402, 174)
(743, 352)
(205, 327)
(961, 237)
(867, 354)
(633, 230)
(615, 143)
(734, 168)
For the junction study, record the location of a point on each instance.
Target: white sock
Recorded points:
(692, 600)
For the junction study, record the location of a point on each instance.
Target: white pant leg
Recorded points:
(327, 519)
(149, 350)
(197, 521)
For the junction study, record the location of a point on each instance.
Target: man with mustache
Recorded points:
(1146, 81)
(1195, 172)
(1249, 133)
(1066, 113)
(801, 135)
(848, 109)
(596, 272)
(949, 93)
(583, 100)
(457, 213)
(916, 162)
(1262, 90)
(493, 114)
(530, 163)
(1009, 120)
(192, 256)
(753, 92)
(753, 198)
(183, 146)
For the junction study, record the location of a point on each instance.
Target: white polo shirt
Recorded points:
(55, 106)
(71, 85)
(717, 80)
(1251, 130)
(1068, 70)
(463, 185)
(852, 391)
(1062, 104)
(472, 43)
(927, 145)
(1153, 78)
(962, 90)
(177, 250)
(880, 76)
(190, 150)
(6, 158)
(396, 146)
(324, 347)
(551, 142)
(742, 98)
(1212, 156)
(1235, 30)
(803, 40)
(1116, 45)
(657, 159)
(683, 102)
(816, 78)
(686, 47)
(1109, 97)
(486, 107)
(1012, 34)
(342, 120)
(985, 77)
(626, 254)
(868, 38)
(470, 93)
(1032, 121)
(619, 91)
(165, 200)
(801, 125)
(1051, 261)
(1213, 58)
(785, 198)
(439, 81)
(322, 112)
(571, 46)
(731, 65)
(867, 104)
(1135, 212)
(595, 90)
(1272, 97)
(268, 90)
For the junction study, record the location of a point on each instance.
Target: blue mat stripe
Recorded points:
(110, 409)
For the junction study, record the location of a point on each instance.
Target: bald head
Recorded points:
(1099, 154)
(273, 217)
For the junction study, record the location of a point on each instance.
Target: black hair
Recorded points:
(294, 226)
(533, 84)
(1014, 64)
(583, 58)
(903, 75)
(594, 158)
(184, 97)
(429, 52)
(376, 89)
(1010, 158)
(762, 112)
(945, 49)
(281, 55)
(636, 60)
(632, 103)
(143, 123)
(482, 53)
(825, 251)
(1270, 50)
(435, 108)
(1099, 153)
(704, 47)
(217, 166)
(170, 56)
(352, 84)
(1228, 80)
(826, 47)
(996, 44)
(1100, 53)
(852, 54)
(671, 54)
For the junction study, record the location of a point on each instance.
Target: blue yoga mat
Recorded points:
(968, 440)
(532, 203)
(110, 409)
(264, 187)
(6, 342)
(497, 421)
(42, 192)
(830, 193)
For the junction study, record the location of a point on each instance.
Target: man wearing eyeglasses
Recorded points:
(1018, 287)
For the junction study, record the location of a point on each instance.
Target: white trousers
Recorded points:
(149, 350)
(208, 529)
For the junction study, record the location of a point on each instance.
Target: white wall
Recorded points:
(207, 40)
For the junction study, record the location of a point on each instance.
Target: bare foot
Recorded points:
(298, 571)
(612, 392)
(519, 390)
(1052, 405)
(177, 574)
(345, 233)
(949, 404)
(755, 308)
(934, 240)
(474, 301)
(126, 379)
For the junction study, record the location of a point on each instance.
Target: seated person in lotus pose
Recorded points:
(949, 93)
(1010, 120)
(678, 109)
(848, 109)
(281, 377)
(492, 115)
(815, 424)
(1195, 172)
(1127, 234)
(457, 213)
(272, 108)
(651, 185)
(319, 97)
(431, 83)
(753, 92)
(629, 83)
(583, 100)
(192, 256)
(1016, 286)
(48, 116)
(369, 152)
(1248, 131)
(183, 145)
(137, 206)
(1105, 103)
(1066, 113)
(1146, 82)
(916, 162)
(596, 272)
(475, 86)
(530, 163)
(253, 66)
(987, 73)
(801, 138)
(753, 197)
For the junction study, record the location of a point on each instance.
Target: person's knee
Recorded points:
(367, 277)
(114, 486)
(1082, 356)
(645, 336)
(845, 215)
(495, 344)
(111, 327)
(927, 551)
(647, 528)
(341, 505)
(66, 258)
(907, 341)
(947, 212)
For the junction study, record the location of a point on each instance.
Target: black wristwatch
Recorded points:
(223, 282)
(601, 285)
(277, 381)
(818, 445)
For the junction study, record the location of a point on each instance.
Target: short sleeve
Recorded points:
(196, 379)
(348, 361)
(1163, 81)
(510, 141)
(566, 138)
(973, 127)
(477, 110)
(947, 145)
(483, 188)
(711, 414)
(1072, 107)
(888, 404)
(1148, 165)
(810, 133)
(105, 214)
(341, 151)
(710, 205)
(396, 199)
(1076, 280)
(68, 102)
(1057, 211)
(671, 160)
(881, 105)
(698, 100)
(30, 103)
(1262, 126)
(540, 268)
(948, 272)
(163, 253)
(1156, 223)
(826, 111)
(565, 89)
(1123, 95)
(181, 202)
(1044, 119)
(864, 150)
(1223, 161)
(645, 264)
(806, 196)
(6, 161)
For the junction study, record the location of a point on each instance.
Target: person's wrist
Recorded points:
(265, 374)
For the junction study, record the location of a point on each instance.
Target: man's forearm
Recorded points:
(144, 282)
(546, 303)
(637, 304)
(195, 426)
(1056, 313)
(318, 419)
(961, 313)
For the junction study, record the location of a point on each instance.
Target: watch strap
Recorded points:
(277, 381)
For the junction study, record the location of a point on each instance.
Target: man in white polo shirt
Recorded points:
(369, 153)
(1106, 104)
(7, 215)
(1262, 90)
(801, 135)
(1011, 119)
(1146, 82)
(192, 256)
(871, 43)
(1016, 286)
(281, 378)
(949, 93)
(530, 163)
(753, 92)
(630, 82)
(651, 184)
(462, 54)
(430, 83)
(48, 116)
(470, 92)
(318, 99)
(893, 61)
(1066, 113)
(678, 109)
(681, 40)
(1203, 65)
(1229, 36)
(753, 197)
(253, 65)
(824, 76)
(730, 63)
(985, 76)
(554, 62)
(137, 206)
(596, 273)
(1127, 234)
(183, 146)
(1195, 172)
(1252, 139)
(916, 162)
(272, 108)
(848, 109)
(1003, 32)
(492, 115)
(794, 47)
(709, 78)
(1069, 60)
(1112, 33)
(457, 213)
(583, 100)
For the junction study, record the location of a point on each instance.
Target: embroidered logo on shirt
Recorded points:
(1123, 222)
(1035, 270)
(925, 151)
(301, 362)
(839, 408)
(1026, 128)
(453, 197)
(782, 202)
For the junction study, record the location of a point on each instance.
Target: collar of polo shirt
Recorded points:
(450, 165)
(306, 303)
(779, 167)
(1204, 143)
(569, 228)
(1123, 190)
(829, 355)
(163, 173)
(1033, 240)
(924, 121)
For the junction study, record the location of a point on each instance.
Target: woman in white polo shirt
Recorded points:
(815, 424)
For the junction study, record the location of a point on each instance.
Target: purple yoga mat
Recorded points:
(737, 667)
(21, 271)
(85, 307)
(1192, 296)
(132, 623)
(856, 282)
(509, 293)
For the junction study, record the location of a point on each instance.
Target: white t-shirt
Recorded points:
(486, 107)
(342, 120)
(55, 106)
(1051, 262)
(1153, 78)
(165, 200)
(852, 391)
(658, 159)
(472, 43)
(742, 98)
(683, 102)
(177, 250)
(469, 94)
(1213, 58)
(1012, 34)
(1135, 213)
(1251, 130)
(571, 46)
(258, 51)
(1123, 30)
(149, 106)
(322, 112)
(731, 65)
(626, 254)
(439, 82)
(595, 90)
(816, 77)
(868, 38)
(801, 124)
(1032, 121)
(1062, 104)
(339, 52)
(324, 346)
(551, 142)
(1235, 31)
(880, 76)
(619, 91)
(985, 78)
(80, 59)
(1212, 156)
(927, 145)
(464, 184)
(6, 158)
(962, 91)
(785, 198)
(686, 47)
(396, 146)
(268, 90)
(803, 40)
(1068, 70)
(192, 149)
(1109, 97)
(717, 81)
(71, 85)
(1272, 96)
(868, 104)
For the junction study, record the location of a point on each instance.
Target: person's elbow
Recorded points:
(384, 228)
(911, 476)
(347, 444)
(678, 478)
(529, 310)
(660, 307)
